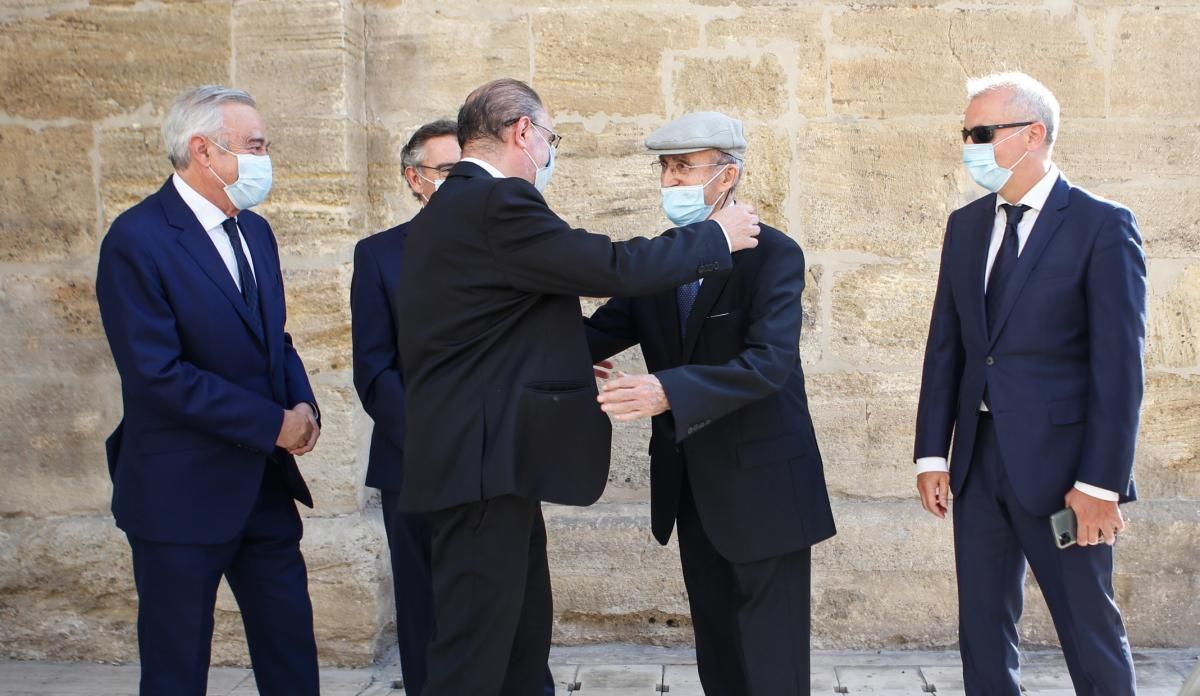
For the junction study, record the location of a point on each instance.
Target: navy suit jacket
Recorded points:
(1062, 363)
(739, 418)
(377, 375)
(204, 385)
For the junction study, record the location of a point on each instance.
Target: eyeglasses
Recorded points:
(984, 134)
(554, 138)
(254, 147)
(677, 168)
(443, 169)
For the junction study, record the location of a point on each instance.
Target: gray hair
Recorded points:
(413, 152)
(197, 112)
(726, 158)
(1030, 97)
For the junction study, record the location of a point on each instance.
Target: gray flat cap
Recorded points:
(703, 130)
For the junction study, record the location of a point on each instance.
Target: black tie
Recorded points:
(1006, 260)
(249, 287)
(685, 296)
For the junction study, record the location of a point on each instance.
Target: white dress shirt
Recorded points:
(1035, 198)
(211, 217)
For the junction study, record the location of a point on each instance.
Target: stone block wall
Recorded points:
(852, 110)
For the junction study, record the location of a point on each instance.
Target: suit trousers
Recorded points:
(491, 598)
(993, 538)
(751, 620)
(177, 592)
(409, 543)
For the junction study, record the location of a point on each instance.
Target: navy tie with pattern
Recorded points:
(249, 287)
(685, 296)
(1006, 261)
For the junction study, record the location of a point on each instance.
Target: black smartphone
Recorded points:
(1063, 524)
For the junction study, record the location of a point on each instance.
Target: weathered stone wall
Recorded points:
(852, 112)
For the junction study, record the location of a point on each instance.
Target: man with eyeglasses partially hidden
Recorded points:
(501, 409)
(427, 159)
(733, 456)
(1034, 365)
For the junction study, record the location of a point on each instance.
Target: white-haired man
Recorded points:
(1034, 365)
(216, 406)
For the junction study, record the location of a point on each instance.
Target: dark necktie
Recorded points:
(685, 296)
(249, 287)
(1006, 260)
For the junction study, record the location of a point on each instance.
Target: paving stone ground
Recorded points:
(633, 670)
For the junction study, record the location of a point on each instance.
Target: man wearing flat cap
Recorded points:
(733, 457)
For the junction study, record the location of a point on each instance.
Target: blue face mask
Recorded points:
(542, 179)
(684, 205)
(980, 161)
(253, 182)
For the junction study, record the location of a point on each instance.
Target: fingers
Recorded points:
(602, 369)
(934, 488)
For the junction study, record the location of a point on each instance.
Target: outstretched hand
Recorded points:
(629, 397)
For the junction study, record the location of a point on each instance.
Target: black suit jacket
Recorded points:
(739, 417)
(377, 376)
(500, 394)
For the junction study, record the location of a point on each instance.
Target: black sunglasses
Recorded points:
(984, 134)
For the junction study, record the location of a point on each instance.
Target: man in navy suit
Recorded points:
(733, 457)
(427, 157)
(1034, 364)
(217, 405)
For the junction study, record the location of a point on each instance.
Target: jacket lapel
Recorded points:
(195, 240)
(264, 275)
(668, 311)
(979, 230)
(1048, 222)
(710, 290)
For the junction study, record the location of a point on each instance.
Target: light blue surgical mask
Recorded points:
(684, 205)
(980, 161)
(253, 182)
(542, 179)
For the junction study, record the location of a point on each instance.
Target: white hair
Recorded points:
(1029, 96)
(197, 112)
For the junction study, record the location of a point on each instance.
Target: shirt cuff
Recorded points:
(1097, 492)
(927, 464)
(727, 242)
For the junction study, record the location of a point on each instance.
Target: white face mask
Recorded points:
(542, 179)
(253, 182)
(437, 184)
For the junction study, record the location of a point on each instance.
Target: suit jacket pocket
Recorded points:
(774, 450)
(563, 441)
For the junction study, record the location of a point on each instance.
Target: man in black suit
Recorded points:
(733, 456)
(500, 404)
(427, 159)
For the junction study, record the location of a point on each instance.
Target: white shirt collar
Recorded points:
(206, 213)
(1035, 197)
(486, 166)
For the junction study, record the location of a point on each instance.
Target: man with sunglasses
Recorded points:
(733, 457)
(501, 409)
(1033, 367)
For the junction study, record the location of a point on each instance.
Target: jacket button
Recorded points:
(990, 361)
